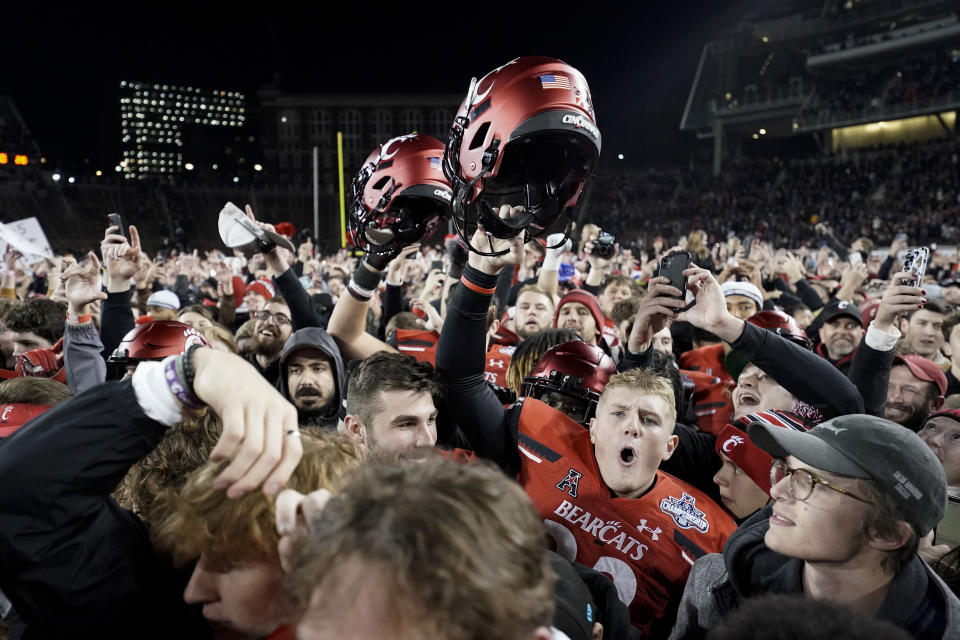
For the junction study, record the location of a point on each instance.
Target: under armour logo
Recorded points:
(496, 363)
(570, 483)
(654, 533)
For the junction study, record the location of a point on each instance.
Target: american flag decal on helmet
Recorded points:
(554, 81)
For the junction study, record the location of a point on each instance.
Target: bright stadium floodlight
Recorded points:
(258, 167)
(56, 177)
(71, 179)
(619, 156)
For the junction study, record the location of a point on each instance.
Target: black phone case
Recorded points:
(673, 266)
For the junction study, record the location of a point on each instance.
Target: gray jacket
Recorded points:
(316, 338)
(917, 599)
(85, 367)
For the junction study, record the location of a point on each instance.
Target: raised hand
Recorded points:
(710, 311)
(81, 284)
(492, 265)
(657, 309)
(260, 435)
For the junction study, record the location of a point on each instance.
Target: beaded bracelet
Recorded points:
(189, 373)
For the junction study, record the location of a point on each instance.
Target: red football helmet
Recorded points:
(153, 341)
(781, 324)
(573, 369)
(400, 194)
(525, 134)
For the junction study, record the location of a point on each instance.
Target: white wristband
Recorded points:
(153, 394)
(879, 340)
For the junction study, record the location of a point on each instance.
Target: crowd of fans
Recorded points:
(698, 434)
(912, 82)
(877, 193)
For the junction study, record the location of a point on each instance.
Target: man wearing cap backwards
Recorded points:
(916, 390)
(941, 432)
(852, 497)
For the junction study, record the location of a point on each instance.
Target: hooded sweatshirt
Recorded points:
(917, 599)
(317, 338)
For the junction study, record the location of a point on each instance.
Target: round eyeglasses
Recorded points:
(802, 481)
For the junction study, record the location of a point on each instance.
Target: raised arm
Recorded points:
(462, 349)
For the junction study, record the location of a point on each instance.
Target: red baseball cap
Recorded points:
(924, 369)
(16, 414)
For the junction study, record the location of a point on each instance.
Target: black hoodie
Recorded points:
(317, 338)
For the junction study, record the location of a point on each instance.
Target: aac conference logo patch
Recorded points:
(684, 512)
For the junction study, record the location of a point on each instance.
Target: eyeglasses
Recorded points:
(280, 319)
(802, 481)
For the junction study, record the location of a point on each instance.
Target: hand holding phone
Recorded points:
(915, 263)
(672, 267)
(114, 220)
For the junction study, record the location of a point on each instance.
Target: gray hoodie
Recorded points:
(318, 339)
(917, 599)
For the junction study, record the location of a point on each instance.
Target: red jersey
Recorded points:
(646, 545)
(712, 399)
(498, 359)
(422, 345)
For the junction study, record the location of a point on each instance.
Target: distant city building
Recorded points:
(293, 124)
(167, 129)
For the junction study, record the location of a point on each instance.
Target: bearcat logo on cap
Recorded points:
(443, 194)
(6, 412)
(684, 512)
(731, 442)
(842, 304)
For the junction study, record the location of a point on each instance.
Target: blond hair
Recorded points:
(646, 382)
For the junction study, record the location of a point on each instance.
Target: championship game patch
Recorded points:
(685, 513)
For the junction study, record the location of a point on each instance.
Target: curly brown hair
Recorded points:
(41, 316)
(184, 447)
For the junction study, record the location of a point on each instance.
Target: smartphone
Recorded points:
(747, 245)
(854, 258)
(436, 265)
(900, 237)
(672, 267)
(915, 263)
(114, 220)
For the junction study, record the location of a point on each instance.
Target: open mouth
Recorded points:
(748, 399)
(627, 455)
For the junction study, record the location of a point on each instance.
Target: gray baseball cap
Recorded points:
(871, 448)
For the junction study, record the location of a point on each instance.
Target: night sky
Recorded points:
(62, 67)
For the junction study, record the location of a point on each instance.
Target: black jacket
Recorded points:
(73, 562)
